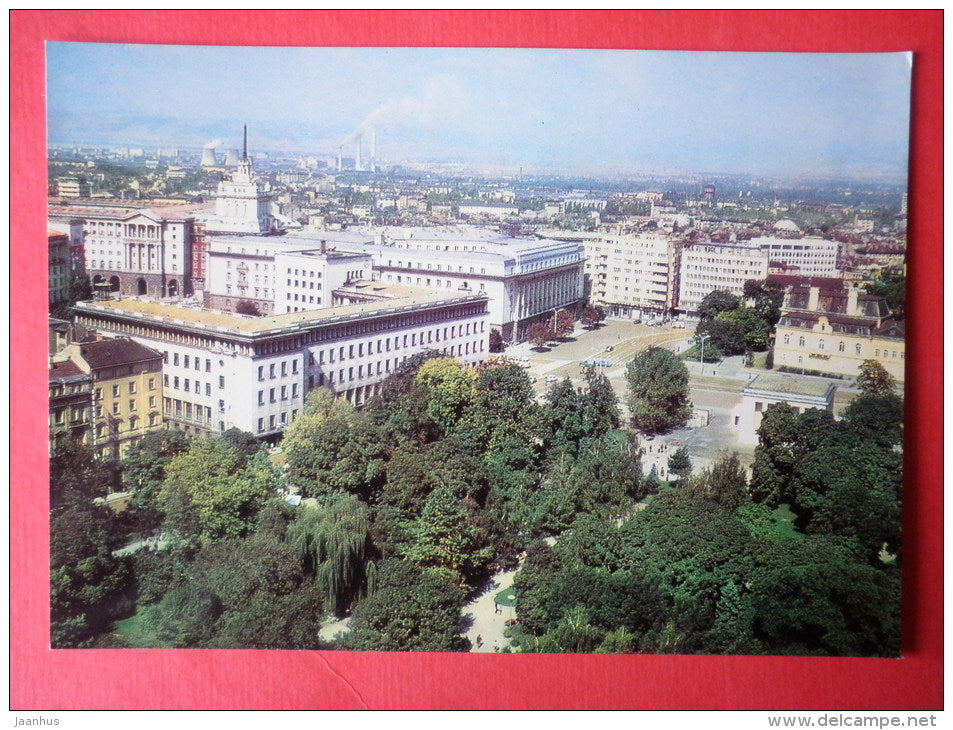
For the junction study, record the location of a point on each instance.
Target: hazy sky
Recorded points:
(583, 110)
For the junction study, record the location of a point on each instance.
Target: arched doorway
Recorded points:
(97, 280)
(114, 283)
(173, 288)
(141, 287)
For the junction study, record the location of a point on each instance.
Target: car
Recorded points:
(609, 348)
(636, 321)
(603, 363)
(678, 326)
(586, 364)
(552, 379)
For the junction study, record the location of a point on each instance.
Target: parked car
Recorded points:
(609, 348)
(552, 379)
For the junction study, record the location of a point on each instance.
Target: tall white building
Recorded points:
(629, 274)
(222, 370)
(243, 203)
(708, 267)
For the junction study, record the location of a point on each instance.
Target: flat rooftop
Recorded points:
(791, 384)
(401, 298)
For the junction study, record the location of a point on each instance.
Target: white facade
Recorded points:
(630, 274)
(812, 256)
(708, 267)
(770, 388)
(222, 370)
(306, 279)
(525, 279)
(242, 204)
(135, 250)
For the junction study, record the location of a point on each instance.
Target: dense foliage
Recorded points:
(658, 391)
(404, 509)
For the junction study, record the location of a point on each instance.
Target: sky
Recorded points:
(831, 115)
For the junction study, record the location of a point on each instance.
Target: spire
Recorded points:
(245, 144)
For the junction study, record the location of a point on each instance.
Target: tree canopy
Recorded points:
(658, 391)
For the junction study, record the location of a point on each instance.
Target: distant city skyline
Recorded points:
(589, 111)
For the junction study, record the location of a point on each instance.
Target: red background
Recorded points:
(41, 679)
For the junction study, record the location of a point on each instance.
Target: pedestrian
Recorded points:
(479, 641)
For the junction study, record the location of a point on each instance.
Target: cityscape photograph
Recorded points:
(488, 350)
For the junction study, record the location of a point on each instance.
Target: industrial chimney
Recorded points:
(340, 158)
(357, 160)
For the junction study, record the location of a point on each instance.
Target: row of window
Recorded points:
(194, 386)
(841, 347)
(104, 430)
(273, 373)
(274, 394)
(277, 421)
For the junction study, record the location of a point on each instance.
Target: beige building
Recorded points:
(832, 331)
(125, 378)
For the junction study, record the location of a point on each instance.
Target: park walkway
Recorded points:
(487, 623)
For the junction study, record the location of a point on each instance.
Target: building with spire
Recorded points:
(243, 203)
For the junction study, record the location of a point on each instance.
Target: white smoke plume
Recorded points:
(441, 96)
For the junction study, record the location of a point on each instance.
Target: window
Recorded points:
(271, 370)
(221, 406)
(800, 342)
(175, 382)
(186, 384)
(152, 383)
(152, 401)
(261, 424)
(271, 395)
(261, 397)
(132, 404)
(221, 381)
(208, 366)
(116, 408)
(261, 372)
(208, 389)
(284, 392)
(185, 361)
(132, 387)
(115, 391)
(787, 339)
(284, 368)
(165, 380)
(840, 346)
(857, 348)
(175, 358)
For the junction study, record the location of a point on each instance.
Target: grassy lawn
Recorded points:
(134, 632)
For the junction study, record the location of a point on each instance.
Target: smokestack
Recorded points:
(357, 160)
(373, 147)
(340, 158)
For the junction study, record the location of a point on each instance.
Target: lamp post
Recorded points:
(703, 338)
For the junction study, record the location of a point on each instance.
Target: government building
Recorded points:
(222, 370)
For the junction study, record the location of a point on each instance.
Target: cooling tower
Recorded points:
(231, 158)
(208, 157)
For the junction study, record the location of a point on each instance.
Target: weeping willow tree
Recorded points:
(334, 544)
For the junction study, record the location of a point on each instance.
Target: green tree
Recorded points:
(413, 609)
(333, 543)
(716, 302)
(143, 470)
(680, 463)
(725, 483)
(658, 391)
(86, 580)
(449, 387)
(893, 286)
(444, 536)
(874, 379)
(212, 491)
(496, 343)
